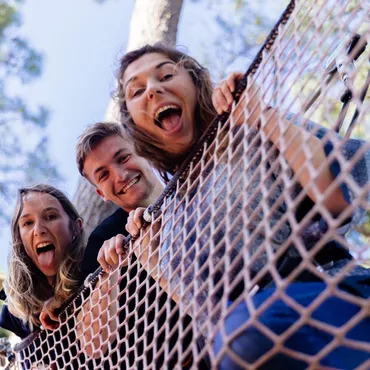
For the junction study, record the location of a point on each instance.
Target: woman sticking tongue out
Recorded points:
(169, 118)
(45, 231)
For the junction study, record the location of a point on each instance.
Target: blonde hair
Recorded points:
(26, 287)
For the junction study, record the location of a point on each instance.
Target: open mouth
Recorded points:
(168, 117)
(134, 181)
(44, 248)
(45, 254)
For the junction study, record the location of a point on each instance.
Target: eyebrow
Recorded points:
(158, 66)
(45, 210)
(115, 155)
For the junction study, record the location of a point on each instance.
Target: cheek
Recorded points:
(65, 234)
(135, 111)
(26, 242)
(28, 250)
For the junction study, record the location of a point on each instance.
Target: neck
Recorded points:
(157, 191)
(151, 199)
(51, 280)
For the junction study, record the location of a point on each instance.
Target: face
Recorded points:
(45, 232)
(161, 99)
(120, 175)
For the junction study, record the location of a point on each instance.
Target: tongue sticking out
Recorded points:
(170, 121)
(46, 258)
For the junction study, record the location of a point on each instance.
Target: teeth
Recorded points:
(162, 109)
(41, 245)
(132, 183)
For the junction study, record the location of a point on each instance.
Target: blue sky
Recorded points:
(81, 42)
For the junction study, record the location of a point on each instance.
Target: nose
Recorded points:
(154, 88)
(40, 228)
(121, 174)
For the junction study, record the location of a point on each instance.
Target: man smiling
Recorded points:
(107, 159)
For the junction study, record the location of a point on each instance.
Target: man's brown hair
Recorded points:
(92, 136)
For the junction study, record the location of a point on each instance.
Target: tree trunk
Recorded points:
(152, 21)
(90, 206)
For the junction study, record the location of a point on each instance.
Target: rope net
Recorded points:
(237, 237)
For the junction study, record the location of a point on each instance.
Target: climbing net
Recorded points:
(245, 256)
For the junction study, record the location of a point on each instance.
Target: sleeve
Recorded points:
(13, 324)
(110, 227)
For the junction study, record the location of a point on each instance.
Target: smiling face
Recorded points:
(120, 175)
(161, 98)
(45, 232)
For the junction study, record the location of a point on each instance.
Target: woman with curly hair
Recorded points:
(166, 100)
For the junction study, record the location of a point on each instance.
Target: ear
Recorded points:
(101, 195)
(79, 224)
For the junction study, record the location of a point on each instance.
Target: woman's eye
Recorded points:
(137, 92)
(167, 77)
(51, 217)
(27, 223)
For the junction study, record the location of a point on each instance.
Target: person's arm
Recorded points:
(303, 151)
(145, 248)
(306, 156)
(97, 320)
(9, 322)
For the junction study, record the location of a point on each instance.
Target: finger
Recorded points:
(101, 259)
(50, 310)
(131, 226)
(220, 97)
(138, 217)
(219, 101)
(53, 315)
(111, 253)
(228, 96)
(47, 322)
(232, 79)
(238, 114)
(119, 244)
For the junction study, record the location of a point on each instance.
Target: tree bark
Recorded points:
(152, 21)
(90, 206)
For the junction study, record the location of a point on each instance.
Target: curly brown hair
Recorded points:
(146, 146)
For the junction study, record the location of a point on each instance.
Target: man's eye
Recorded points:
(103, 176)
(124, 158)
(167, 77)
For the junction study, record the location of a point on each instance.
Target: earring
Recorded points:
(73, 238)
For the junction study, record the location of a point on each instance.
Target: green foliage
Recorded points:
(240, 32)
(23, 143)
(3, 332)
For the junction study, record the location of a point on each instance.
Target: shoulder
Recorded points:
(12, 323)
(111, 226)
